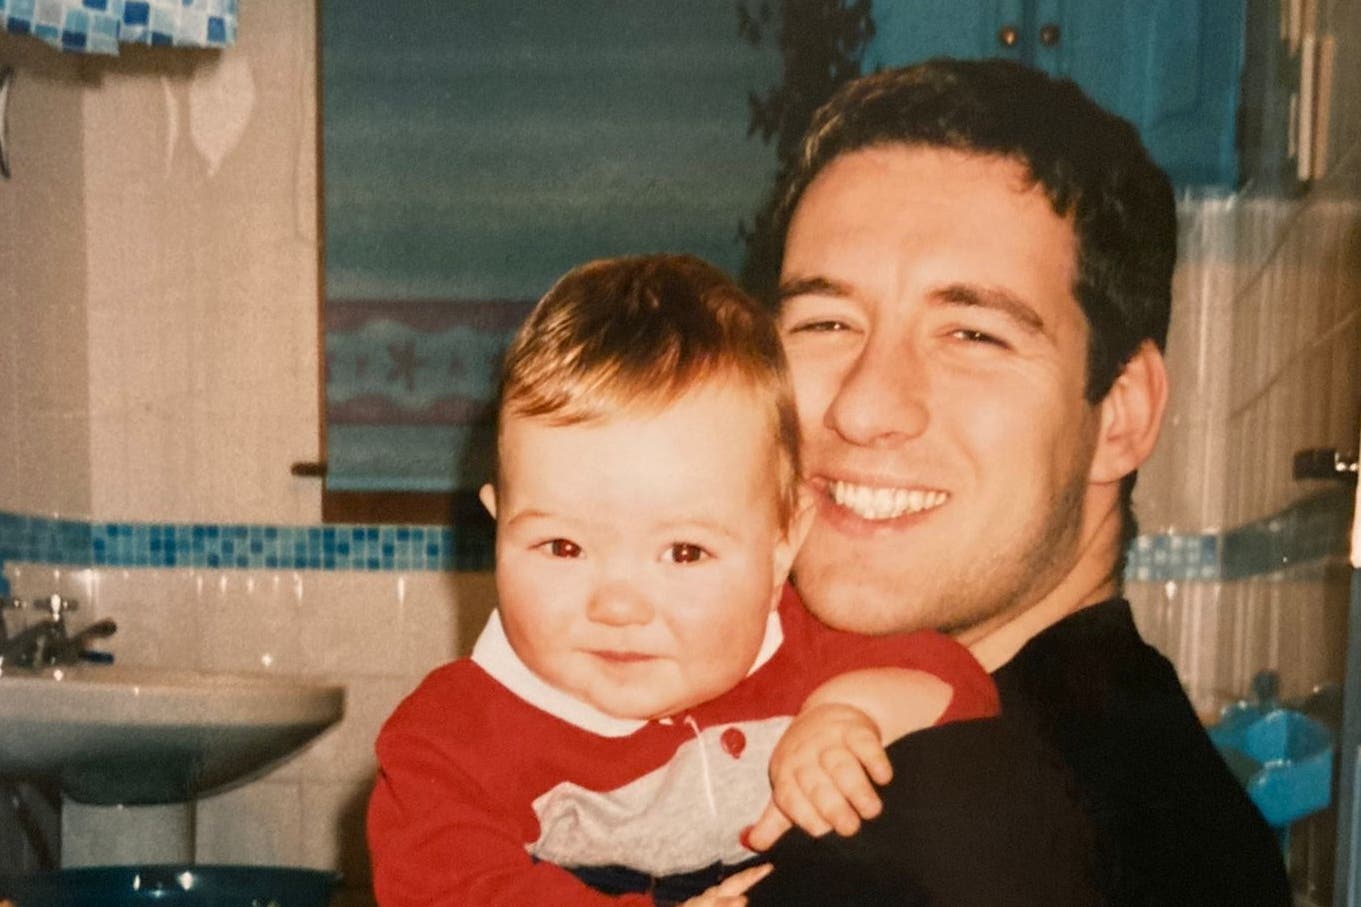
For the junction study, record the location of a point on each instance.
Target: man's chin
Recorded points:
(862, 608)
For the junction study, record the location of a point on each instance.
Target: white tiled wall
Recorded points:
(1219, 635)
(1264, 356)
(1296, 346)
(44, 380)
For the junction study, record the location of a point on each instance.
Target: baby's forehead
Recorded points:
(709, 427)
(603, 403)
(726, 423)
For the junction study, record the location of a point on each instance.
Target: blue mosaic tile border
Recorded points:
(1160, 558)
(1309, 531)
(47, 541)
(36, 539)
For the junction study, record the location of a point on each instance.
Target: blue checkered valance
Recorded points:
(99, 26)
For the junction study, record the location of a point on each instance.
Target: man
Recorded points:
(974, 298)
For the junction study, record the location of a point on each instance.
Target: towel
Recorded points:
(99, 26)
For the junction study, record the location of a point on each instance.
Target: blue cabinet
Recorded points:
(1172, 67)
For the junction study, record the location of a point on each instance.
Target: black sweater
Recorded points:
(1096, 785)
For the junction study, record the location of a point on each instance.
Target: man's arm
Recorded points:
(978, 814)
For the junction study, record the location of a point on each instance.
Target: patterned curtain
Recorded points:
(474, 151)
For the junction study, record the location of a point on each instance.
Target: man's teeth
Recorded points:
(884, 503)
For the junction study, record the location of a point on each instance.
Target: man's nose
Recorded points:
(618, 602)
(883, 398)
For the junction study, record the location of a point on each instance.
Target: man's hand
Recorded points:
(732, 891)
(822, 775)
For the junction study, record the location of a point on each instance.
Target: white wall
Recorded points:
(44, 373)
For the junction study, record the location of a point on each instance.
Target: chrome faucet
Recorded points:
(47, 642)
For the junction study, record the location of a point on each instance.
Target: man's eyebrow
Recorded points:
(987, 297)
(810, 286)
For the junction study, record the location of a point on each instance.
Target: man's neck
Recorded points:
(1090, 581)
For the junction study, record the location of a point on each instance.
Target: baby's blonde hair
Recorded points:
(636, 334)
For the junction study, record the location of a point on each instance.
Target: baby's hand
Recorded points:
(821, 774)
(732, 891)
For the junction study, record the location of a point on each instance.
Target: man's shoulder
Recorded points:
(1168, 813)
(1089, 653)
(1090, 682)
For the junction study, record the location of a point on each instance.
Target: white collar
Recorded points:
(494, 654)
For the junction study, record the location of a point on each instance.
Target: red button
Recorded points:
(733, 741)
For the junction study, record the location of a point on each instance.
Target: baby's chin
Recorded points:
(674, 707)
(652, 713)
(673, 711)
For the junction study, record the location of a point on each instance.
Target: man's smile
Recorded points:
(871, 502)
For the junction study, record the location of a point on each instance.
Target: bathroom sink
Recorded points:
(114, 734)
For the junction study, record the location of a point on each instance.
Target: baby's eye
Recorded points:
(685, 553)
(561, 548)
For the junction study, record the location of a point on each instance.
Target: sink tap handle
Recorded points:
(69, 650)
(58, 606)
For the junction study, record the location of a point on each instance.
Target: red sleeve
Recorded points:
(439, 836)
(975, 694)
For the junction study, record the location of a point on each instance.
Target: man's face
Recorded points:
(638, 556)
(939, 358)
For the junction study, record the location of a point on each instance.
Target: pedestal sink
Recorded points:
(116, 738)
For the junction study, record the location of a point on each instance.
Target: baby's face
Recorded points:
(638, 557)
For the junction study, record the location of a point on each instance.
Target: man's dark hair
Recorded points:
(1090, 164)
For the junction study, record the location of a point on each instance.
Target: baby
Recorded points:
(648, 676)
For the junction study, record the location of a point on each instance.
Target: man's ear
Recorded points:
(788, 547)
(487, 495)
(1131, 416)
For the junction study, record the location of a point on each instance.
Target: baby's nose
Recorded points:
(619, 602)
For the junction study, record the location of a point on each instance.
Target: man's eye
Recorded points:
(971, 336)
(562, 548)
(826, 326)
(685, 553)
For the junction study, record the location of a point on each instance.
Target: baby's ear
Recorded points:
(805, 509)
(795, 533)
(487, 495)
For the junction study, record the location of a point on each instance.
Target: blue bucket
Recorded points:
(172, 886)
(1282, 757)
